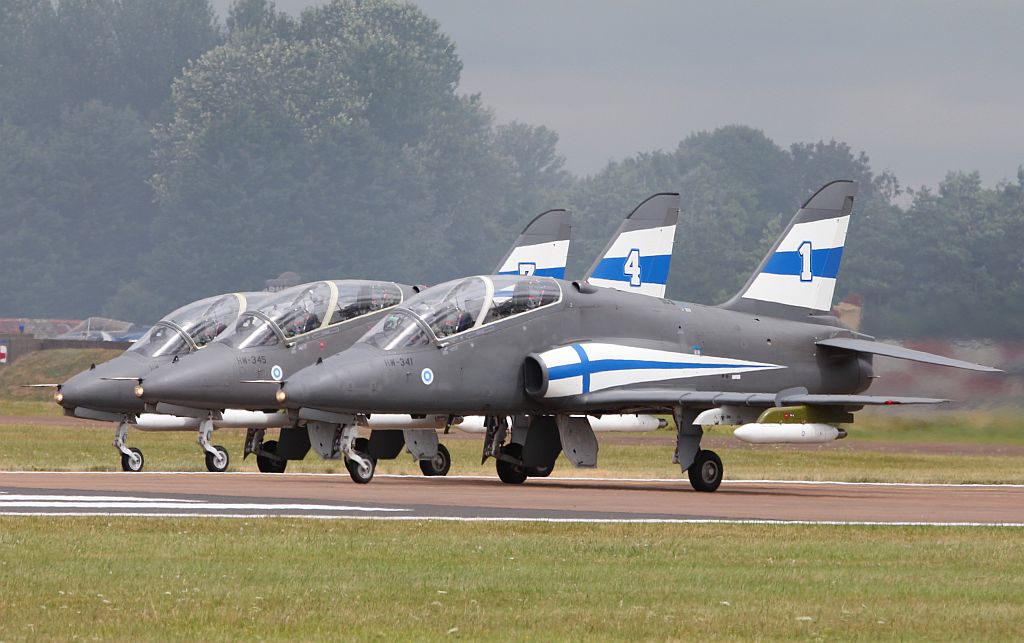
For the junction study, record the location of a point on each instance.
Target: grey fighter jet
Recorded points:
(105, 391)
(772, 359)
(305, 324)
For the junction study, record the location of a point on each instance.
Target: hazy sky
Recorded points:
(922, 87)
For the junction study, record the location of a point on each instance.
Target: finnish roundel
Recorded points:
(427, 376)
(276, 373)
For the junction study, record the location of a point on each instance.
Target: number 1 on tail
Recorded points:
(805, 261)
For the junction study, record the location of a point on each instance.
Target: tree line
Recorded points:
(150, 155)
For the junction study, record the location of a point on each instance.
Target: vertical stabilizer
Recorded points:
(798, 276)
(639, 256)
(543, 247)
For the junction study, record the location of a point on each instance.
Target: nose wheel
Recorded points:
(131, 458)
(132, 461)
(360, 464)
(217, 460)
(439, 465)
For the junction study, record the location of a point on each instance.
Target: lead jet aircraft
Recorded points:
(296, 327)
(772, 359)
(105, 391)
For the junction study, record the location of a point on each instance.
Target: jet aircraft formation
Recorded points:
(536, 362)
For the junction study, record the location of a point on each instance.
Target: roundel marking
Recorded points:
(276, 372)
(427, 376)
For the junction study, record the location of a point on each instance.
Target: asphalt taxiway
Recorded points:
(486, 498)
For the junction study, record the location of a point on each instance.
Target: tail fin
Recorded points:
(798, 276)
(639, 256)
(543, 247)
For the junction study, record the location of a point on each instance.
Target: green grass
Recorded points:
(227, 579)
(88, 448)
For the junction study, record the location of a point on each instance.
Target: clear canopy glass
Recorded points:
(458, 306)
(305, 308)
(191, 326)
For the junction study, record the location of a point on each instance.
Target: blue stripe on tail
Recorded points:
(824, 263)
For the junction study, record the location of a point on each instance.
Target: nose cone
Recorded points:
(207, 379)
(351, 381)
(107, 387)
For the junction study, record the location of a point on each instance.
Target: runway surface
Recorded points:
(484, 498)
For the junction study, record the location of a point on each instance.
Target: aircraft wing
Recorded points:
(669, 398)
(890, 350)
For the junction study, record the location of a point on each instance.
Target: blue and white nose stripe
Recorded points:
(541, 259)
(583, 368)
(638, 261)
(803, 270)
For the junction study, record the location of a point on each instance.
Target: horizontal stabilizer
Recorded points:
(40, 386)
(890, 350)
(666, 398)
(542, 249)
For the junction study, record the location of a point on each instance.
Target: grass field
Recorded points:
(229, 579)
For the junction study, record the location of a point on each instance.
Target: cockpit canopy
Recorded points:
(190, 327)
(309, 307)
(461, 305)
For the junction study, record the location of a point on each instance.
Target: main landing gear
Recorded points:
(439, 465)
(703, 467)
(267, 458)
(706, 471)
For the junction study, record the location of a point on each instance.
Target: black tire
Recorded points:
(540, 472)
(439, 465)
(509, 472)
(126, 460)
(706, 471)
(267, 464)
(359, 474)
(211, 460)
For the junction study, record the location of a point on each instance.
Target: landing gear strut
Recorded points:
(360, 464)
(216, 455)
(131, 458)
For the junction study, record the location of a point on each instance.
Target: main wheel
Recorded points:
(216, 463)
(439, 465)
(132, 462)
(267, 464)
(509, 472)
(540, 472)
(706, 471)
(361, 474)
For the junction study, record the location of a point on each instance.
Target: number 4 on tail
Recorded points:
(632, 268)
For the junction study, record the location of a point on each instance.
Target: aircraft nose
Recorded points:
(90, 390)
(198, 380)
(345, 382)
